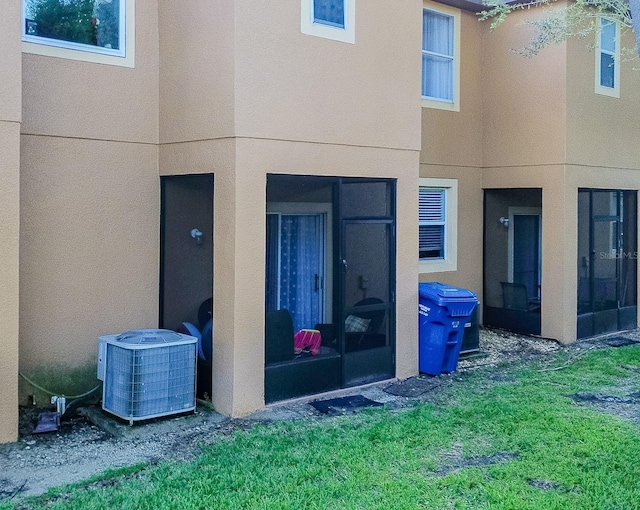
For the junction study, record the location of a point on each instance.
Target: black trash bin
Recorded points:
(443, 311)
(471, 337)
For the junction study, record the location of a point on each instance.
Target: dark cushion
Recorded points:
(328, 334)
(278, 336)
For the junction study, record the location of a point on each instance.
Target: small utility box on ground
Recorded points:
(443, 311)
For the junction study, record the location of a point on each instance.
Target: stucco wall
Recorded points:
(526, 125)
(77, 99)
(258, 157)
(602, 131)
(454, 138)
(469, 246)
(559, 232)
(10, 64)
(525, 99)
(241, 168)
(544, 111)
(275, 100)
(89, 207)
(452, 149)
(9, 278)
(293, 86)
(197, 70)
(89, 248)
(10, 114)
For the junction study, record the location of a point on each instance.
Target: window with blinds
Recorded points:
(432, 221)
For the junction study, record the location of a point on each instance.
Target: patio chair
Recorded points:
(370, 336)
(515, 297)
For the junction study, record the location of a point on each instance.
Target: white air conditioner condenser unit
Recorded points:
(147, 373)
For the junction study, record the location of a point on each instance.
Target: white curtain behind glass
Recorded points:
(437, 56)
(301, 263)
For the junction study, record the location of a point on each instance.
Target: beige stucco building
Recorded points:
(255, 123)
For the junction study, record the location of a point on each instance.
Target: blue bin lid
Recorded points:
(442, 293)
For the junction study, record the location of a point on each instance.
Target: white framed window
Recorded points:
(432, 222)
(329, 12)
(438, 225)
(441, 57)
(100, 31)
(330, 19)
(608, 58)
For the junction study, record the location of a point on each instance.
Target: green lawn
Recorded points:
(518, 444)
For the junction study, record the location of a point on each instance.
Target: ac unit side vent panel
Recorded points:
(148, 382)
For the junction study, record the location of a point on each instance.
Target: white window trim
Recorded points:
(82, 52)
(346, 34)
(453, 106)
(615, 90)
(450, 261)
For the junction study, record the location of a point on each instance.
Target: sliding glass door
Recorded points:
(296, 266)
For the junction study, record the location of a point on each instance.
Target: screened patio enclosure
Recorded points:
(607, 261)
(330, 269)
(513, 259)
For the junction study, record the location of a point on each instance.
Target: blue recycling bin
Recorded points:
(443, 311)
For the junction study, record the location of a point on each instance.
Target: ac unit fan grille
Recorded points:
(146, 383)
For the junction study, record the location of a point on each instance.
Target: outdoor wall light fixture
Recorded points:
(197, 235)
(504, 221)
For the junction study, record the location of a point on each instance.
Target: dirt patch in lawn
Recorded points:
(80, 449)
(625, 406)
(454, 461)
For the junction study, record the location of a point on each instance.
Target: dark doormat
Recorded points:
(344, 405)
(619, 341)
(413, 387)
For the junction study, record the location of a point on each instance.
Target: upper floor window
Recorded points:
(440, 57)
(76, 28)
(608, 59)
(328, 12)
(331, 19)
(437, 224)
